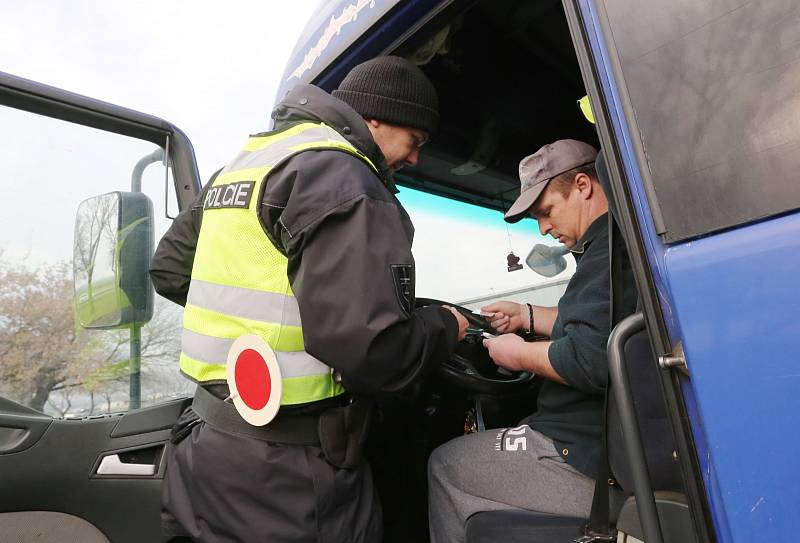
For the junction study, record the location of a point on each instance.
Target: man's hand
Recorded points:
(513, 353)
(508, 351)
(508, 316)
(462, 322)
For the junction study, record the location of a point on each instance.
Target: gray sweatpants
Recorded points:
(511, 468)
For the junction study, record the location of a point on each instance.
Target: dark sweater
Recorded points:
(572, 414)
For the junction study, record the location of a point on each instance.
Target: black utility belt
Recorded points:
(340, 431)
(291, 429)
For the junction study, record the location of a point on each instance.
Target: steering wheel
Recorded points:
(470, 367)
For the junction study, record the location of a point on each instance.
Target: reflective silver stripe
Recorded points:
(300, 363)
(275, 152)
(212, 350)
(268, 156)
(246, 303)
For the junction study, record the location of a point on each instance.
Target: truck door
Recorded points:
(698, 109)
(87, 398)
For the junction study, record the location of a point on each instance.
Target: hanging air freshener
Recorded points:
(512, 259)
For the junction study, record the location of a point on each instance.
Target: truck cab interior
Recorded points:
(508, 82)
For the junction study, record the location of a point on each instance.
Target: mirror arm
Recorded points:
(135, 369)
(138, 170)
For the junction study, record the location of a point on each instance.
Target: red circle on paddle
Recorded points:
(253, 381)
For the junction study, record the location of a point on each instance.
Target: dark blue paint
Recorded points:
(731, 300)
(368, 44)
(350, 32)
(655, 250)
(736, 299)
(398, 21)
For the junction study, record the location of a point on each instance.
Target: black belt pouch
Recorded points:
(343, 432)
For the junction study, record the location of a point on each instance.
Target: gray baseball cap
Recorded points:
(536, 170)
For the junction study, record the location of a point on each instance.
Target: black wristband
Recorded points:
(530, 321)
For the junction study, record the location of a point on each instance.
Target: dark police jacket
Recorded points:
(348, 242)
(572, 414)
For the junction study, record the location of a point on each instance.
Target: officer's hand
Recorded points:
(507, 316)
(462, 322)
(508, 351)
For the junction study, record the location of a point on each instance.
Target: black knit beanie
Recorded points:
(393, 90)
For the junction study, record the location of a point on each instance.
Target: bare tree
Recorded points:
(61, 403)
(38, 339)
(43, 350)
(103, 366)
(108, 392)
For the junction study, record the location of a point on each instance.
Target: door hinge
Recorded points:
(675, 359)
(672, 361)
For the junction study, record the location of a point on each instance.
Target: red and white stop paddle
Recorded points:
(254, 378)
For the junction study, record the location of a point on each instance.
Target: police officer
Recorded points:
(301, 241)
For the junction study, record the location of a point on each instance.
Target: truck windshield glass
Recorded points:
(461, 253)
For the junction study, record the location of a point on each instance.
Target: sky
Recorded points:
(211, 69)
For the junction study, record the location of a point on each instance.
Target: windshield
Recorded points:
(461, 253)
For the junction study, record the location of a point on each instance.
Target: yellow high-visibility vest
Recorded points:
(239, 281)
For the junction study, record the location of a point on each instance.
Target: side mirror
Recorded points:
(111, 256)
(547, 260)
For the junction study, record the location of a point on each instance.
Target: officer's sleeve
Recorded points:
(171, 265)
(351, 269)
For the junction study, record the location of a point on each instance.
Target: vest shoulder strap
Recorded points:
(267, 150)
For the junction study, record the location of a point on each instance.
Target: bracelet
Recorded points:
(530, 319)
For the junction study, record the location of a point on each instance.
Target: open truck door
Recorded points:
(88, 382)
(697, 112)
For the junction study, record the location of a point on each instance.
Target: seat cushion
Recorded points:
(673, 514)
(522, 527)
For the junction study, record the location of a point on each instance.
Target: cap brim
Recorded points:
(524, 203)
